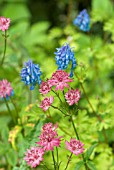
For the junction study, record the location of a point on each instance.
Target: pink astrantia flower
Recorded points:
(49, 126)
(5, 89)
(75, 146)
(72, 96)
(60, 79)
(34, 156)
(49, 137)
(46, 103)
(44, 87)
(4, 23)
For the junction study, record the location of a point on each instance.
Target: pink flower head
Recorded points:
(44, 87)
(49, 126)
(72, 96)
(75, 146)
(5, 89)
(4, 23)
(49, 137)
(34, 156)
(45, 104)
(60, 79)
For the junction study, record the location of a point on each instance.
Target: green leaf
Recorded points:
(2, 149)
(36, 34)
(16, 12)
(89, 151)
(19, 29)
(79, 165)
(15, 168)
(109, 27)
(4, 120)
(55, 33)
(100, 10)
(91, 165)
(5, 134)
(11, 157)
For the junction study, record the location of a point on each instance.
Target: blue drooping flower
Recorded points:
(83, 21)
(30, 74)
(64, 56)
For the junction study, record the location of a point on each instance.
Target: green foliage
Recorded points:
(89, 151)
(91, 165)
(94, 77)
(100, 10)
(79, 165)
(11, 157)
(16, 14)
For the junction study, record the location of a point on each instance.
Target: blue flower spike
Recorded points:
(64, 56)
(83, 21)
(30, 74)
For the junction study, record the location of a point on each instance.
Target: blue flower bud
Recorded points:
(30, 74)
(83, 21)
(64, 56)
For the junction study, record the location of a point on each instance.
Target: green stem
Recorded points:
(57, 95)
(70, 5)
(16, 110)
(77, 136)
(45, 166)
(66, 132)
(5, 43)
(57, 158)
(53, 160)
(68, 161)
(60, 100)
(29, 96)
(98, 116)
(9, 109)
(66, 104)
(58, 109)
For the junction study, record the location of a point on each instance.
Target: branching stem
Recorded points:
(5, 45)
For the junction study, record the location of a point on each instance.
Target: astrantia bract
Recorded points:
(75, 146)
(46, 103)
(30, 74)
(83, 21)
(64, 56)
(5, 89)
(4, 23)
(34, 156)
(60, 79)
(44, 87)
(72, 96)
(49, 137)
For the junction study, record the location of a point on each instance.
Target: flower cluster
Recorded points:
(83, 21)
(5, 89)
(75, 146)
(72, 96)
(64, 56)
(60, 79)
(48, 140)
(34, 156)
(30, 74)
(49, 137)
(4, 23)
(46, 103)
